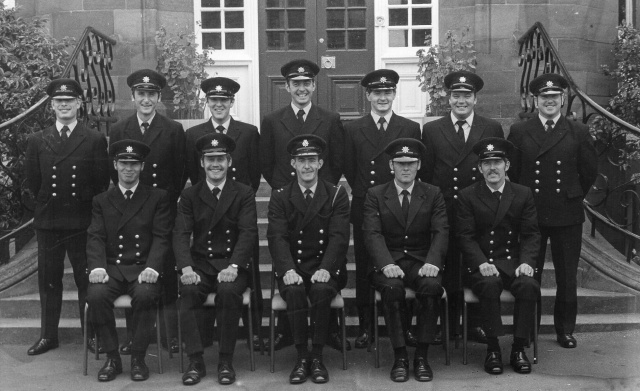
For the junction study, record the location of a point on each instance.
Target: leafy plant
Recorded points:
(183, 66)
(434, 63)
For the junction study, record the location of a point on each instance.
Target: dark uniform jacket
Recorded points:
(164, 167)
(504, 233)
(449, 164)
(559, 166)
(245, 167)
(127, 236)
(281, 126)
(309, 238)
(366, 164)
(221, 237)
(64, 178)
(388, 238)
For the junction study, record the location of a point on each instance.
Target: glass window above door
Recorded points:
(346, 25)
(410, 22)
(222, 24)
(286, 24)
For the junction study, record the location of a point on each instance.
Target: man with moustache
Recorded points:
(367, 165)
(497, 231)
(164, 169)
(556, 158)
(450, 164)
(66, 165)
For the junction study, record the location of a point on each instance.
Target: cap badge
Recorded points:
(490, 147)
(63, 88)
(405, 149)
(463, 79)
(129, 149)
(218, 88)
(146, 79)
(383, 79)
(305, 143)
(549, 83)
(214, 143)
(301, 69)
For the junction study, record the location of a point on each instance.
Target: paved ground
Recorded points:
(602, 361)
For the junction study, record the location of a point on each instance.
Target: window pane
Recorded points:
(275, 3)
(399, 17)
(295, 3)
(210, 20)
(233, 3)
(295, 19)
(398, 38)
(357, 39)
(210, 3)
(296, 40)
(275, 40)
(398, 2)
(357, 18)
(335, 19)
(419, 36)
(421, 16)
(355, 3)
(275, 19)
(234, 19)
(212, 41)
(335, 3)
(335, 40)
(234, 40)
(421, 1)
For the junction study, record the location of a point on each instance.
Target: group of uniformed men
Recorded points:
(430, 210)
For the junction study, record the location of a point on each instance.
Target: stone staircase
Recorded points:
(603, 304)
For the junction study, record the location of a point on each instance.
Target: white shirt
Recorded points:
(220, 186)
(387, 118)
(133, 189)
(399, 190)
(466, 128)
(71, 126)
(500, 189)
(225, 124)
(140, 122)
(554, 119)
(305, 109)
(312, 188)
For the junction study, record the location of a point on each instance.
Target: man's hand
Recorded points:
(524, 270)
(149, 276)
(98, 276)
(393, 271)
(320, 275)
(487, 270)
(291, 277)
(428, 270)
(228, 275)
(189, 277)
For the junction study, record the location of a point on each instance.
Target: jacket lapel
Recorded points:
(554, 136)
(313, 121)
(418, 197)
(371, 133)
(487, 197)
(75, 139)
(116, 199)
(393, 203)
(505, 203)
(475, 134)
(155, 128)
(297, 199)
(233, 131)
(206, 195)
(227, 195)
(132, 206)
(290, 121)
(449, 133)
(318, 200)
(131, 128)
(51, 136)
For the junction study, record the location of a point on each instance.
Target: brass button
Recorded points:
(137, 236)
(373, 172)
(537, 172)
(154, 175)
(538, 163)
(558, 181)
(120, 237)
(120, 246)
(155, 165)
(299, 251)
(118, 261)
(53, 176)
(537, 190)
(557, 190)
(155, 185)
(455, 169)
(54, 194)
(321, 231)
(537, 182)
(299, 241)
(53, 185)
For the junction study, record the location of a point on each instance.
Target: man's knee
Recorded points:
(489, 287)
(526, 288)
(96, 294)
(146, 295)
(321, 292)
(392, 290)
(429, 286)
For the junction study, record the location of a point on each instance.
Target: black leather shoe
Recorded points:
(319, 373)
(410, 339)
(335, 341)
(110, 369)
(42, 346)
(125, 348)
(493, 363)
(400, 370)
(91, 345)
(300, 371)
(280, 342)
(362, 340)
(567, 341)
(519, 362)
(226, 374)
(195, 371)
(478, 335)
(422, 370)
(139, 369)
(173, 345)
(438, 338)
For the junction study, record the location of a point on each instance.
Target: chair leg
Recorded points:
(375, 332)
(272, 328)
(372, 302)
(166, 327)
(158, 339)
(180, 350)
(464, 333)
(344, 339)
(250, 337)
(535, 334)
(447, 353)
(85, 338)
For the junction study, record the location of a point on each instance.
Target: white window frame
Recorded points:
(222, 53)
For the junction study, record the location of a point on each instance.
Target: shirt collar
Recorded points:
(312, 188)
(296, 108)
(500, 189)
(133, 189)
(149, 121)
(376, 117)
(71, 126)
(400, 189)
(469, 119)
(225, 124)
(554, 119)
(220, 186)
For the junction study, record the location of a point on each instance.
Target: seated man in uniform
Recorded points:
(406, 234)
(127, 244)
(308, 239)
(497, 231)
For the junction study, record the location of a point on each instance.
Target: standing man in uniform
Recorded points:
(556, 158)
(66, 165)
(308, 239)
(367, 165)
(451, 165)
(128, 241)
(220, 93)
(298, 118)
(406, 233)
(220, 214)
(497, 231)
(164, 169)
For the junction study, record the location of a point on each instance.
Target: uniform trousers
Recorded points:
(52, 247)
(428, 295)
(228, 308)
(144, 299)
(488, 289)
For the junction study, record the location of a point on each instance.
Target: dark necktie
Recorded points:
(215, 191)
(220, 129)
(145, 127)
(381, 123)
(63, 133)
(549, 125)
(460, 131)
(307, 196)
(497, 194)
(128, 194)
(405, 204)
(301, 116)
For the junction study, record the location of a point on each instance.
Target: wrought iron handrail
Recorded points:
(538, 55)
